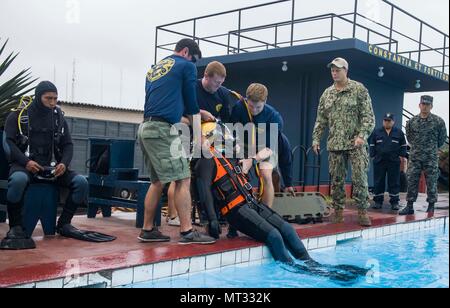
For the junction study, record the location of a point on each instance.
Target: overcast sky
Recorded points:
(113, 40)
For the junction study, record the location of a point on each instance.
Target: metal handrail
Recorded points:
(414, 17)
(225, 13)
(405, 36)
(422, 46)
(303, 20)
(287, 23)
(317, 165)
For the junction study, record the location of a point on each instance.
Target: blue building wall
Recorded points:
(296, 94)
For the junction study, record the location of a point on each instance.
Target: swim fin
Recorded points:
(70, 231)
(16, 239)
(336, 275)
(352, 269)
(342, 267)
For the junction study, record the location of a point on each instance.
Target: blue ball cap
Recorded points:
(389, 116)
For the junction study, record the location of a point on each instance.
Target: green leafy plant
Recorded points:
(13, 89)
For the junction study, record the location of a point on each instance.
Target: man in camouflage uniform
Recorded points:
(346, 109)
(426, 134)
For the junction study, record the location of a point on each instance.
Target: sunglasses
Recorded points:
(195, 58)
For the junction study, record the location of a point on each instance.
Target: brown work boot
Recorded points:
(364, 219)
(338, 216)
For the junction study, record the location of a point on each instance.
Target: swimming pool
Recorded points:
(418, 259)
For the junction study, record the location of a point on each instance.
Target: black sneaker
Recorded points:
(153, 236)
(395, 207)
(431, 208)
(196, 238)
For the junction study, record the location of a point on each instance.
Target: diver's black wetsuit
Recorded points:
(263, 224)
(260, 223)
(49, 137)
(45, 134)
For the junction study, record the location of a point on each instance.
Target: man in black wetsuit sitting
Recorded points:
(39, 148)
(229, 190)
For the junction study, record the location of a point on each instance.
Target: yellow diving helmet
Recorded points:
(216, 132)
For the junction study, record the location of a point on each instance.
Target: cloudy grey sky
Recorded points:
(113, 40)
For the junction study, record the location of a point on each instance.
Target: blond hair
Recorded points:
(257, 92)
(216, 68)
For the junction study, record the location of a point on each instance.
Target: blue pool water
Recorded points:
(413, 260)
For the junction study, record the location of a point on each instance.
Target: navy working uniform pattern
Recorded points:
(426, 136)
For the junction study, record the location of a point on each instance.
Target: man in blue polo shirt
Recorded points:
(254, 109)
(387, 146)
(214, 100)
(170, 93)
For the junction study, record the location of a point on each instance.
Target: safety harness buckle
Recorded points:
(248, 186)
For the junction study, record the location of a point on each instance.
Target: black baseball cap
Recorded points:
(389, 116)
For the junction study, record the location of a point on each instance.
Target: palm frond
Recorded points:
(13, 89)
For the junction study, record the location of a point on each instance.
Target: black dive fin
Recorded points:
(353, 269)
(70, 231)
(341, 267)
(336, 275)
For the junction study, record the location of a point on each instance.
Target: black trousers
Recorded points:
(391, 170)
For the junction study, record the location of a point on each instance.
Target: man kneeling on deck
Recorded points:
(39, 148)
(230, 190)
